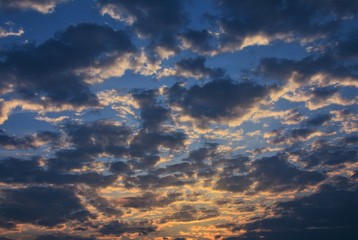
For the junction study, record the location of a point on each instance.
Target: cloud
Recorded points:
(42, 206)
(188, 213)
(152, 181)
(276, 174)
(318, 120)
(32, 171)
(147, 19)
(149, 200)
(28, 141)
(296, 135)
(199, 41)
(102, 136)
(233, 183)
(192, 68)
(61, 236)
(327, 215)
(120, 228)
(326, 154)
(245, 23)
(218, 100)
(42, 6)
(7, 33)
(60, 83)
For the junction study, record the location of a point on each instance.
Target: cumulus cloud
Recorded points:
(218, 100)
(28, 141)
(59, 84)
(147, 19)
(192, 68)
(245, 23)
(329, 214)
(43, 206)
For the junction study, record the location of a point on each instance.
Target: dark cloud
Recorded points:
(188, 213)
(335, 61)
(149, 19)
(324, 215)
(318, 120)
(151, 181)
(100, 203)
(28, 141)
(61, 236)
(329, 155)
(277, 18)
(199, 41)
(102, 136)
(149, 142)
(347, 48)
(203, 154)
(153, 134)
(14, 170)
(43, 206)
(195, 67)
(293, 136)
(119, 228)
(276, 174)
(69, 159)
(152, 114)
(218, 100)
(149, 200)
(78, 47)
(282, 69)
(119, 167)
(233, 183)
(88, 141)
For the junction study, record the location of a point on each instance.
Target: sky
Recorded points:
(178, 119)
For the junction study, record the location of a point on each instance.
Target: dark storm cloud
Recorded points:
(217, 100)
(188, 213)
(43, 6)
(28, 141)
(41, 206)
(273, 18)
(14, 170)
(276, 174)
(119, 228)
(46, 73)
(150, 19)
(149, 200)
(329, 214)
